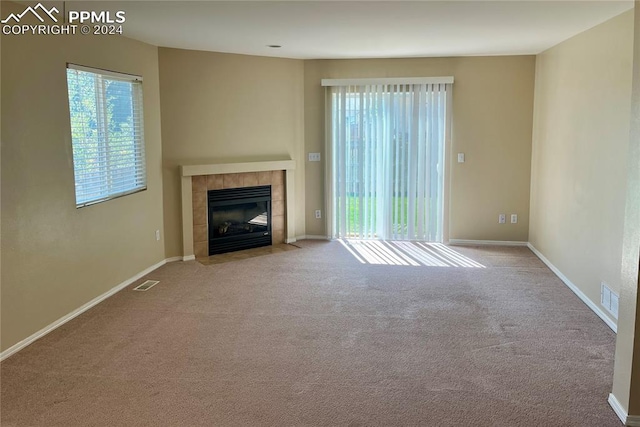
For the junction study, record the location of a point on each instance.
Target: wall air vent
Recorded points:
(146, 285)
(609, 299)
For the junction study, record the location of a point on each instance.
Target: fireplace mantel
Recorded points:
(187, 171)
(219, 168)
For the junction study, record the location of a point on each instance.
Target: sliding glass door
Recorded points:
(387, 160)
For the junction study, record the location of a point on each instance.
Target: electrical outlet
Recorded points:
(460, 157)
(502, 218)
(158, 235)
(318, 214)
(514, 218)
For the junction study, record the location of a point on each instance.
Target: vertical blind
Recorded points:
(387, 160)
(107, 134)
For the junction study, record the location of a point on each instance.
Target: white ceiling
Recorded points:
(361, 29)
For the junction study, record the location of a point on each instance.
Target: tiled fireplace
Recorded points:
(197, 180)
(202, 183)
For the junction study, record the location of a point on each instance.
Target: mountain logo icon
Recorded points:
(33, 10)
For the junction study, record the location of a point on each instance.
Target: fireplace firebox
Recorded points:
(239, 218)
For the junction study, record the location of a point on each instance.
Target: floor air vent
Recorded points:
(146, 285)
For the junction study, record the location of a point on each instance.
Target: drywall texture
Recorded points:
(626, 376)
(580, 144)
(226, 107)
(491, 124)
(56, 258)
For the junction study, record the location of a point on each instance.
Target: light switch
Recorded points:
(314, 157)
(460, 157)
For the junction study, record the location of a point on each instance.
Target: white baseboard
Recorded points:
(173, 259)
(486, 242)
(75, 313)
(312, 237)
(592, 305)
(627, 420)
(617, 408)
(188, 258)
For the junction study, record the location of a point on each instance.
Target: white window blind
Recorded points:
(387, 152)
(107, 134)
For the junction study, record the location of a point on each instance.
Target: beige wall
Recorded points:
(219, 107)
(580, 143)
(492, 121)
(55, 258)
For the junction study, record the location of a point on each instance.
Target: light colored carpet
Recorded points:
(317, 337)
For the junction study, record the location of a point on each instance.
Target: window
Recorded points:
(106, 134)
(386, 158)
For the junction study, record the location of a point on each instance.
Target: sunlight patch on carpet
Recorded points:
(406, 253)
